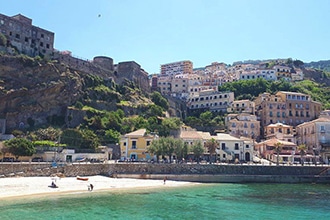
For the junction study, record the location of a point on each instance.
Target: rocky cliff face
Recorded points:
(35, 90)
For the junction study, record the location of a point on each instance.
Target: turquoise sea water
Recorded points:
(204, 201)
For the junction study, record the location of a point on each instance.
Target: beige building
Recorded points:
(25, 37)
(243, 125)
(181, 67)
(316, 136)
(242, 106)
(280, 131)
(289, 108)
(210, 99)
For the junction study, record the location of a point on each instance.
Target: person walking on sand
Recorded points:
(91, 187)
(165, 179)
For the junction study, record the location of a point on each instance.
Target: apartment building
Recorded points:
(211, 100)
(242, 106)
(289, 108)
(181, 67)
(315, 135)
(280, 131)
(267, 74)
(25, 37)
(243, 125)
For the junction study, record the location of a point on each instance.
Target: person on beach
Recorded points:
(165, 179)
(91, 187)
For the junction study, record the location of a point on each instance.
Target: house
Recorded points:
(288, 153)
(280, 131)
(232, 148)
(316, 136)
(134, 145)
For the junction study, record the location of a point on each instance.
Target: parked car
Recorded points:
(8, 159)
(37, 159)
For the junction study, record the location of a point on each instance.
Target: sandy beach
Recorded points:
(38, 186)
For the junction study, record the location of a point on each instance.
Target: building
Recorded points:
(25, 37)
(242, 106)
(181, 67)
(134, 145)
(232, 148)
(291, 108)
(210, 100)
(243, 125)
(287, 154)
(280, 131)
(316, 136)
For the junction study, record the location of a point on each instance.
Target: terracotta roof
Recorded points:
(273, 141)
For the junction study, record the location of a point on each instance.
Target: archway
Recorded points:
(247, 156)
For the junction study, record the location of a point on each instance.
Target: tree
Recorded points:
(3, 40)
(156, 148)
(180, 149)
(159, 100)
(89, 139)
(112, 136)
(20, 147)
(302, 151)
(211, 145)
(198, 150)
(169, 124)
(278, 148)
(72, 137)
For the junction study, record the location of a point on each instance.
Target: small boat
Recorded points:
(82, 178)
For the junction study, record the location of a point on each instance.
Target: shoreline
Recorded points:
(38, 187)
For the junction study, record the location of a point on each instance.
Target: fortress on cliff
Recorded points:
(24, 38)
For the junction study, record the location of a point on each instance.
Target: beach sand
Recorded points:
(38, 186)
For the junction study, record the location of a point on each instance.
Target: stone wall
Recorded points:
(187, 172)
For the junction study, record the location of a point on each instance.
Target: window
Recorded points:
(133, 144)
(148, 143)
(247, 146)
(223, 146)
(236, 146)
(42, 35)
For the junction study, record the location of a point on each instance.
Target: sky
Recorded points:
(155, 32)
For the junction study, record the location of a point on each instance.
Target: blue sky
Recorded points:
(155, 32)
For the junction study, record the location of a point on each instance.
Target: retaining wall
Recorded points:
(186, 172)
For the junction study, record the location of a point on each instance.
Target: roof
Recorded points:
(273, 141)
(278, 125)
(191, 135)
(140, 132)
(226, 137)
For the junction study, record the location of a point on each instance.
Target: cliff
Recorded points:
(35, 92)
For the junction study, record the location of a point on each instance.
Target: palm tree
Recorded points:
(278, 148)
(211, 145)
(302, 151)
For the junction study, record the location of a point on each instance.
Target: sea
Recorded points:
(201, 201)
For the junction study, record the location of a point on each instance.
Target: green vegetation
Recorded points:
(20, 147)
(167, 146)
(3, 40)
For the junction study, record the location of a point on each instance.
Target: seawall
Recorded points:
(211, 173)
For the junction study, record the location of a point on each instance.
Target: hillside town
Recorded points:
(270, 128)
